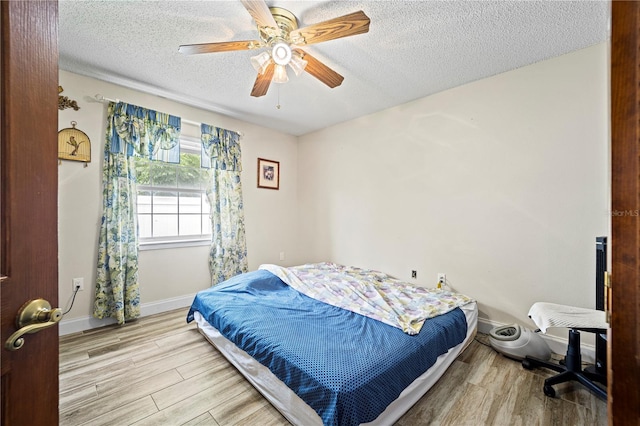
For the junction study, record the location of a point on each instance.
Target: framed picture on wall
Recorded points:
(268, 174)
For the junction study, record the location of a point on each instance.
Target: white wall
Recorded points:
(502, 184)
(172, 275)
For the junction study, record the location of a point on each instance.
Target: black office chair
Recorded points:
(571, 367)
(547, 315)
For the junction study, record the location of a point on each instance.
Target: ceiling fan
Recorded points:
(280, 35)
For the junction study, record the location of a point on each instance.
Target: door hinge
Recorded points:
(607, 296)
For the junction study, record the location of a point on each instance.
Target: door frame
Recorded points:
(624, 341)
(28, 205)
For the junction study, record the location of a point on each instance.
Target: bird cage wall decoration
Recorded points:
(74, 145)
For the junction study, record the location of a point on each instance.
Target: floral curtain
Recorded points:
(221, 152)
(131, 131)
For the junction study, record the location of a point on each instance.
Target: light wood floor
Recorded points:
(161, 371)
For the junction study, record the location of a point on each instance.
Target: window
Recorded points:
(172, 203)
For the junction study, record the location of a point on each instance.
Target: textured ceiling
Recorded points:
(413, 49)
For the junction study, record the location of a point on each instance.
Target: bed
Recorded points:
(314, 341)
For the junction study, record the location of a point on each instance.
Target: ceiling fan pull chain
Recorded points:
(278, 106)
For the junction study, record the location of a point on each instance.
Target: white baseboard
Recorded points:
(557, 345)
(76, 325)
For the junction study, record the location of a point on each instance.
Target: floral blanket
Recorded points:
(370, 293)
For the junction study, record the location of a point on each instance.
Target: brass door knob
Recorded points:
(32, 317)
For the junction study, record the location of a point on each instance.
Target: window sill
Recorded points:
(171, 244)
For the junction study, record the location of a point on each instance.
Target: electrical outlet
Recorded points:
(78, 283)
(414, 274)
(442, 278)
(281, 255)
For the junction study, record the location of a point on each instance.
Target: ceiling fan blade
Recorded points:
(224, 46)
(263, 81)
(260, 12)
(344, 26)
(320, 70)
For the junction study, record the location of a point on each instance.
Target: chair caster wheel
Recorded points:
(526, 364)
(549, 391)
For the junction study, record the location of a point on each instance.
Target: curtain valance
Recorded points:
(141, 132)
(220, 148)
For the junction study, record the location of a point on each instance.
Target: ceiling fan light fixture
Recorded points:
(297, 64)
(280, 74)
(281, 53)
(260, 62)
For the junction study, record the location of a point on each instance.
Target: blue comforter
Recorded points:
(345, 366)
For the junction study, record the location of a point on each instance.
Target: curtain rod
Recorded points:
(101, 98)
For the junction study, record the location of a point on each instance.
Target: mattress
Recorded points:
(356, 371)
(296, 411)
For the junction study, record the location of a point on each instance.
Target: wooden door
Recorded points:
(624, 342)
(28, 205)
